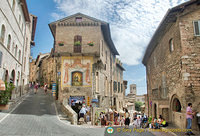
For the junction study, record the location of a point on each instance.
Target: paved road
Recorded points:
(36, 116)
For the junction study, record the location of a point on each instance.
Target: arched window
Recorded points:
(13, 5)
(13, 47)
(12, 78)
(2, 36)
(77, 43)
(16, 51)
(6, 76)
(176, 106)
(9, 42)
(19, 57)
(77, 78)
(18, 77)
(171, 45)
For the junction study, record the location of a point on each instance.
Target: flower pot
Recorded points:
(4, 106)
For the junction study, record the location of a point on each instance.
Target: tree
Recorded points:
(138, 106)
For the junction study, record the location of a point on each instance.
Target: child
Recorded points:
(122, 120)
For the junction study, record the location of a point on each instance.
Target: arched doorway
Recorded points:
(12, 78)
(176, 105)
(176, 114)
(155, 111)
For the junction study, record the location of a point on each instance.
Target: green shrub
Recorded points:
(5, 95)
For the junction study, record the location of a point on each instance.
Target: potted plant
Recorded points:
(77, 43)
(90, 43)
(61, 43)
(5, 96)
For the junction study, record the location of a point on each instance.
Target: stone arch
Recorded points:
(175, 103)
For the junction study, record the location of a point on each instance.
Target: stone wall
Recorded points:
(70, 113)
(177, 71)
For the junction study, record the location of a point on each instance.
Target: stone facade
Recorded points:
(88, 71)
(140, 98)
(130, 100)
(17, 30)
(172, 65)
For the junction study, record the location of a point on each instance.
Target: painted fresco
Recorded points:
(76, 71)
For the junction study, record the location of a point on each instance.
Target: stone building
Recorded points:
(172, 64)
(140, 98)
(41, 68)
(32, 71)
(17, 30)
(86, 58)
(130, 99)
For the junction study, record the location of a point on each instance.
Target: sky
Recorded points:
(132, 24)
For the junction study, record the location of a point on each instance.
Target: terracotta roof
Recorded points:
(166, 23)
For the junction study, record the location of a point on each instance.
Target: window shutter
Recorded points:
(197, 27)
(1, 56)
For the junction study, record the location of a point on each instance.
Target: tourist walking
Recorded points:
(45, 88)
(82, 112)
(127, 119)
(189, 117)
(36, 88)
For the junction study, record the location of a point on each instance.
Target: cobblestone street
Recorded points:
(36, 116)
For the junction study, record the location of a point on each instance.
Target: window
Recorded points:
(115, 86)
(1, 56)
(78, 19)
(13, 5)
(106, 56)
(77, 43)
(16, 51)
(197, 28)
(19, 57)
(9, 42)
(118, 87)
(171, 45)
(3, 30)
(13, 47)
(121, 88)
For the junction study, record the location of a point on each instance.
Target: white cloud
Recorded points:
(132, 22)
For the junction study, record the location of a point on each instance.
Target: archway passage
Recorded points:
(176, 105)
